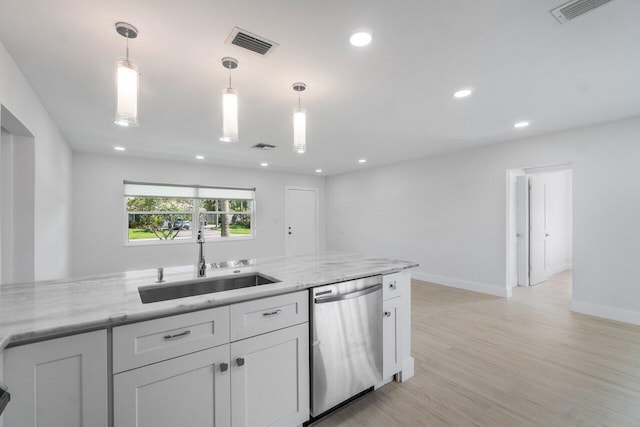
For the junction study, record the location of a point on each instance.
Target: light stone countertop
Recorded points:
(35, 311)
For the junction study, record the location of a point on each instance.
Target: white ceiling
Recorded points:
(387, 102)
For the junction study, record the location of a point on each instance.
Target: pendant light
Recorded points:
(299, 122)
(127, 82)
(229, 105)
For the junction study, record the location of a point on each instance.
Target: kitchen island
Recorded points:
(105, 316)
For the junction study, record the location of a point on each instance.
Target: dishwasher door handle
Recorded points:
(350, 295)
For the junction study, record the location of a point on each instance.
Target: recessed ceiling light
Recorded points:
(362, 161)
(522, 124)
(360, 38)
(119, 148)
(462, 93)
(264, 165)
(200, 157)
(318, 170)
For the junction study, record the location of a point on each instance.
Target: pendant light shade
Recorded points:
(299, 123)
(127, 96)
(299, 130)
(229, 115)
(229, 106)
(126, 82)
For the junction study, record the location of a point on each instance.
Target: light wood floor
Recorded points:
(523, 361)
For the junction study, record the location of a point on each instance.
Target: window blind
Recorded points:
(140, 189)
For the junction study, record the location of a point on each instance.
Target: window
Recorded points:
(158, 213)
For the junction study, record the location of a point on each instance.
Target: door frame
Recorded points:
(286, 214)
(510, 206)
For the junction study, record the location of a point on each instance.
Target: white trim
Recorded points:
(546, 169)
(286, 204)
(606, 312)
(468, 285)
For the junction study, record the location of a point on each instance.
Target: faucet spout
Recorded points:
(202, 265)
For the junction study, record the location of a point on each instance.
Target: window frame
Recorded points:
(196, 190)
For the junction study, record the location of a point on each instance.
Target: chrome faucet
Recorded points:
(202, 265)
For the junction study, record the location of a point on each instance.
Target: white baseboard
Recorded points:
(408, 369)
(468, 285)
(611, 313)
(559, 268)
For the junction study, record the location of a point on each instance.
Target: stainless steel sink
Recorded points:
(189, 288)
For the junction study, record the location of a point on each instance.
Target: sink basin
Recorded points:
(155, 293)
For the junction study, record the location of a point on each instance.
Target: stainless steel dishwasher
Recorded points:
(346, 344)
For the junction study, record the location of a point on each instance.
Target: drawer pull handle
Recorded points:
(272, 313)
(240, 361)
(180, 335)
(392, 285)
(387, 314)
(224, 367)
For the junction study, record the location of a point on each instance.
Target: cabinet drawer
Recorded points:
(391, 286)
(268, 314)
(143, 343)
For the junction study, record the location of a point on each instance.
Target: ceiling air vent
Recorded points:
(262, 146)
(250, 41)
(575, 8)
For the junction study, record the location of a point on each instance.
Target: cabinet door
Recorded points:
(60, 382)
(270, 378)
(392, 337)
(191, 390)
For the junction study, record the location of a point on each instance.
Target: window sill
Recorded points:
(186, 241)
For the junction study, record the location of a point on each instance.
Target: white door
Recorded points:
(522, 229)
(537, 230)
(191, 390)
(302, 226)
(270, 379)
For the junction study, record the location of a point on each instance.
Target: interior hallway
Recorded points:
(524, 361)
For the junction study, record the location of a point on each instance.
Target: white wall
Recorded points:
(448, 213)
(52, 172)
(98, 206)
(17, 212)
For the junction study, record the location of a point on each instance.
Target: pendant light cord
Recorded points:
(127, 37)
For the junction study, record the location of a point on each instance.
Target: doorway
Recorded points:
(539, 224)
(301, 233)
(17, 200)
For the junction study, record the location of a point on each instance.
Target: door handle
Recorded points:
(387, 314)
(224, 367)
(240, 361)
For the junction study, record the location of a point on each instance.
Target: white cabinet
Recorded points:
(164, 376)
(396, 327)
(191, 390)
(59, 382)
(270, 378)
(391, 337)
